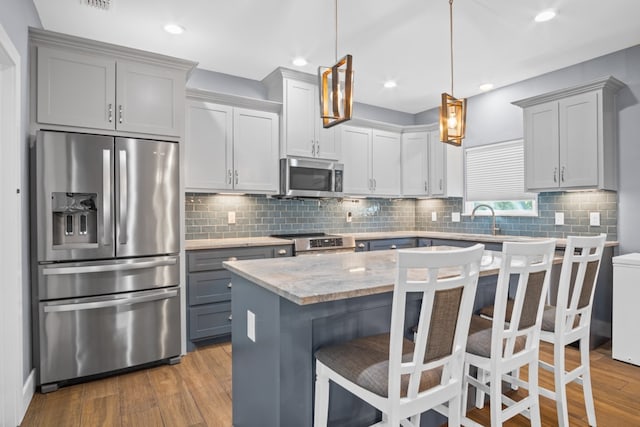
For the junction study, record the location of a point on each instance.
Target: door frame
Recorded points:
(12, 402)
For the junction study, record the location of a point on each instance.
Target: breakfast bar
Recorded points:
(285, 309)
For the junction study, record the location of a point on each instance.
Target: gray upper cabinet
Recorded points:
(230, 149)
(429, 167)
(90, 85)
(570, 138)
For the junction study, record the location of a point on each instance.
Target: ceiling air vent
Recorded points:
(102, 4)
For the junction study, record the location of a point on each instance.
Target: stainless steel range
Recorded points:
(319, 243)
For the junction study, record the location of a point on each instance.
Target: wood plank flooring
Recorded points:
(197, 392)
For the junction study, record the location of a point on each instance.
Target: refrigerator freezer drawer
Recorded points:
(80, 279)
(87, 336)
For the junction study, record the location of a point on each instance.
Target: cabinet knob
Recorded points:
(230, 318)
(361, 245)
(282, 252)
(394, 247)
(229, 285)
(232, 258)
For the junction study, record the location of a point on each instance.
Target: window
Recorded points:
(494, 175)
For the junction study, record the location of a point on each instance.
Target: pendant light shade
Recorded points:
(336, 92)
(453, 111)
(336, 87)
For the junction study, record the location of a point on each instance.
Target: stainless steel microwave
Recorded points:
(310, 178)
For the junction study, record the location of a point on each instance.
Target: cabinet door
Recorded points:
(541, 146)
(386, 163)
(150, 99)
(255, 151)
(208, 161)
(300, 106)
(437, 161)
(356, 143)
(328, 145)
(579, 140)
(75, 89)
(415, 146)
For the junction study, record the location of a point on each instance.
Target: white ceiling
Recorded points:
(495, 41)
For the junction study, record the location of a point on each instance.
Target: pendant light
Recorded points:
(452, 111)
(336, 87)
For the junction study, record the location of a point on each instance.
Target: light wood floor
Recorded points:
(197, 392)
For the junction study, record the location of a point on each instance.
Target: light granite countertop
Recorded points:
(236, 242)
(311, 279)
(273, 241)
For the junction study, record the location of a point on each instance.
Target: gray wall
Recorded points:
(492, 118)
(16, 16)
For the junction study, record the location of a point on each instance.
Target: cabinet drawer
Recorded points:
(209, 286)
(209, 320)
(213, 259)
(384, 244)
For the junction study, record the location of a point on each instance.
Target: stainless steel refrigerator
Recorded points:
(106, 243)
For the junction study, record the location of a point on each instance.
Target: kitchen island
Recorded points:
(285, 309)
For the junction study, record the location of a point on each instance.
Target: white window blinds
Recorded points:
(495, 172)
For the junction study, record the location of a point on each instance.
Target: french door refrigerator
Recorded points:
(106, 245)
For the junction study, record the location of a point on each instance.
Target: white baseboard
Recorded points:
(28, 389)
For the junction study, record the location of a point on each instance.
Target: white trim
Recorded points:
(12, 406)
(28, 390)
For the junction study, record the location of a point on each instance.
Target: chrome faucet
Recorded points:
(494, 229)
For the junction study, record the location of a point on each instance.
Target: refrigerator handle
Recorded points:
(111, 303)
(106, 197)
(56, 271)
(122, 239)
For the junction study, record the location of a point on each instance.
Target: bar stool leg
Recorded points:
(586, 382)
(559, 374)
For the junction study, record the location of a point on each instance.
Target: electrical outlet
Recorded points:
(231, 217)
(434, 216)
(559, 218)
(251, 325)
(455, 216)
(349, 217)
(594, 219)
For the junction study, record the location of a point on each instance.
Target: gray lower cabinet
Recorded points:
(209, 289)
(385, 244)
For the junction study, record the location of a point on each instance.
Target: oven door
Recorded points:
(87, 336)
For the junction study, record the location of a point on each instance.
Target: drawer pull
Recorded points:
(230, 285)
(232, 258)
(282, 252)
(394, 247)
(230, 317)
(361, 245)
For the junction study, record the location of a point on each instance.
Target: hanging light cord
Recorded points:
(450, 39)
(336, 13)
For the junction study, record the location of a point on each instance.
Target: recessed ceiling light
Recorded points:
(486, 86)
(299, 61)
(174, 29)
(545, 15)
(390, 84)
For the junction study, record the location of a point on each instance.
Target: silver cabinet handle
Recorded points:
(106, 197)
(555, 174)
(120, 113)
(111, 303)
(57, 271)
(123, 198)
(229, 285)
(230, 318)
(317, 148)
(425, 186)
(375, 184)
(313, 148)
(110, 110)
(236, 176)
(441, 183)
(232, 258)
(562, 174)
(282, 252)
(394, 247)
(230, 175)
(361, 245)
